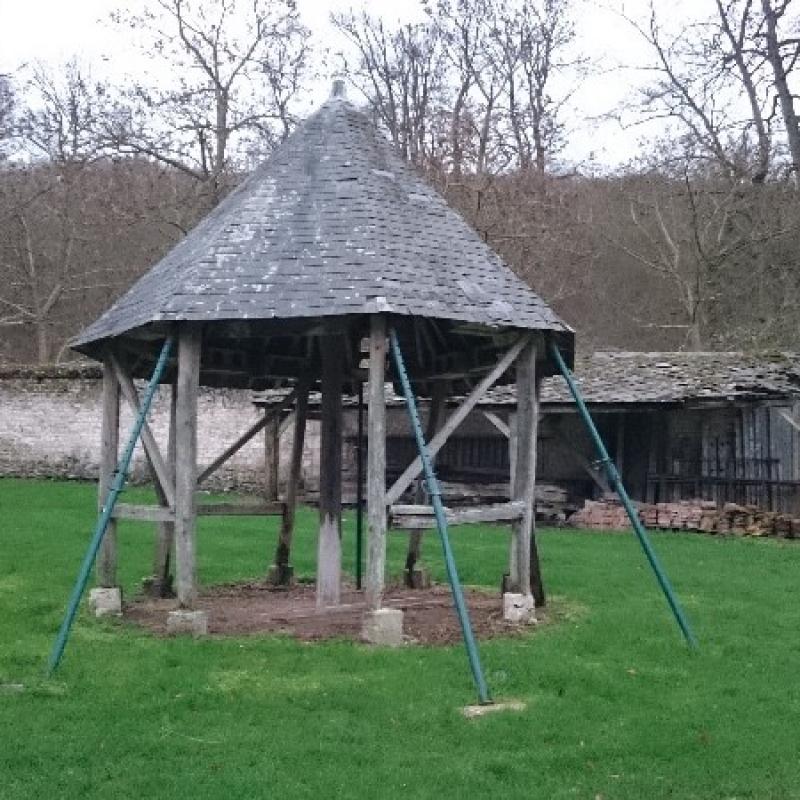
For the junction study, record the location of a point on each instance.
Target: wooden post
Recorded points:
(272, 455)
(107, 557)
(414, 552)
(165, 532)
(513, 445)
(189, 345)
(527, 579)
(376, 464)
(619, 455)
(281, 572)
(329, 549)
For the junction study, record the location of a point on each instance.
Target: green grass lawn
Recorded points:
(617, 707)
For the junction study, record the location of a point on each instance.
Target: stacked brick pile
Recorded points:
(688, 515)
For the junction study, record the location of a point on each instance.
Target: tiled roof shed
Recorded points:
(333, 224)
(659, 378)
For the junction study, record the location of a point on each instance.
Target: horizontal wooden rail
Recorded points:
(241, 509)
(142, 513)
(415, 517)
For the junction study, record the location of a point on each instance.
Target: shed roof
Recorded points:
(333, 223)
(610, 377)
(662, 378)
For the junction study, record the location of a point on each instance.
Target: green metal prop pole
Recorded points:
(616, 481)
(441, 523)
(108, 508)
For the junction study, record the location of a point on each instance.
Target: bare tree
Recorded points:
(7, 114)
(63, 108)
(399, 72)
(535, 40)
(238, 67)
(782, 53)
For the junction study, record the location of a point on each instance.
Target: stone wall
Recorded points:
(50, 427)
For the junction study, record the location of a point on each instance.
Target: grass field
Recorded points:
(617, 707)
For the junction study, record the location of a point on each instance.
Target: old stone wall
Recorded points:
(50, 427)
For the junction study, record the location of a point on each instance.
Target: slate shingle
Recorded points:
(335, 222)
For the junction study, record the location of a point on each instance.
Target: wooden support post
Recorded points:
(527, 579)
(329, 550)
(513, 445)
(107, 557)
(619, 454)
(281, 572)
(165, 532)
(189, 345)
(272, 455)
(435, 413)
(376, 464)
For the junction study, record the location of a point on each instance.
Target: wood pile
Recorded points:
(687, 515)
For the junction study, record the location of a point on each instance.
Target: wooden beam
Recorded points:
(282, 574)
(142, 513)
(165, 532)
(109, 453)
(272, 457)
(525, 474)
(149, 442)
(189, 345)
(421, 517)
(790, 419)
(435, 413)
(376, 464)
(458, 416)
(273, 413)
(240, 509)
(498, 423)
(329, 543)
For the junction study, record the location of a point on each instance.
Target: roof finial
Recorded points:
(339, 89)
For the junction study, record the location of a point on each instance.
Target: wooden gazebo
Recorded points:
(329, 243)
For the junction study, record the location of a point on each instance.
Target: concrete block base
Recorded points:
(470, 712)
(280, 575)
(518, 608)
(182, 621)
(383, 627)
(106, 602)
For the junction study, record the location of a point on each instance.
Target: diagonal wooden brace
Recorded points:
(162, 471)
(285, 403)
(458, 416)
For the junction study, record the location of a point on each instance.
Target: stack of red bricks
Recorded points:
(687, 515)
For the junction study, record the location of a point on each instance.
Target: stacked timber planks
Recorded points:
(687, 515)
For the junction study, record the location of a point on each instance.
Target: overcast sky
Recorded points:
(55, 30)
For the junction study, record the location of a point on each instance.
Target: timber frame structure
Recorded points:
(294, 281)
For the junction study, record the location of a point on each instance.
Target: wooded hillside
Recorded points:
(693, 244)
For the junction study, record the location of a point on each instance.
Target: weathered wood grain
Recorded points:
(189, 344)
(107, 556)
(329, 543)
(376, 464)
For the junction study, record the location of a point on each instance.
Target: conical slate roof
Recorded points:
(333, 223)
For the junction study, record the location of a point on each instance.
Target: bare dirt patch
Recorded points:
(253, 608)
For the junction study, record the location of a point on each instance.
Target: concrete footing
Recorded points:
(518, 608)
(182, 621)
(492, 708)
(106, 602)
(383, 627)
